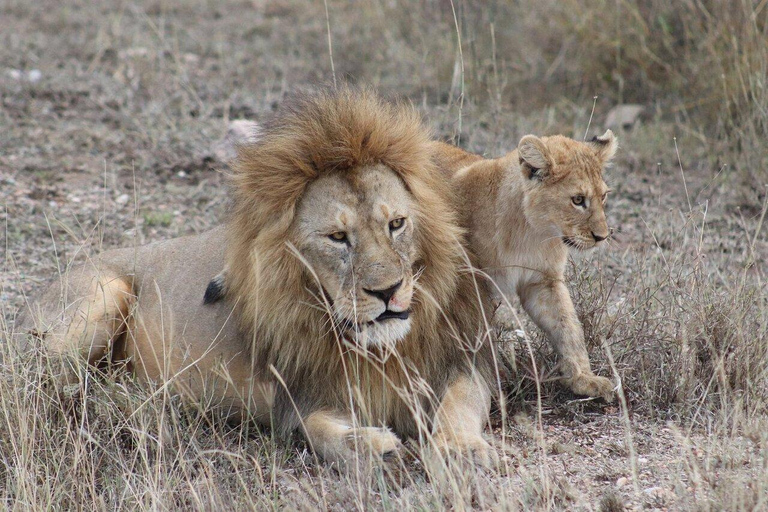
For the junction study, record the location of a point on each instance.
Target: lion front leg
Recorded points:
(335, 439)
(549, 305)
(461, 418)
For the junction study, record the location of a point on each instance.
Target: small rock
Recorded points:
(239, 132)
(659, 493)
(623, 116)
(33, 75)
(642, 460)
(138, 51)
(244, 130)
(123, 199)
(181, 174)
(621, 482)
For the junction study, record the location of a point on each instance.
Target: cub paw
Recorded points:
(376, 441)
(588, 384)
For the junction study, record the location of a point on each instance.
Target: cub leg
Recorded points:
(549, 305)
(80, 317)
(460, 419)
(334, 438)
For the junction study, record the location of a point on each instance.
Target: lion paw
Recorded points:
(588, 384)
(379, 442)
(471, 448)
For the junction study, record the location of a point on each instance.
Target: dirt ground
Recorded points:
(109, 122)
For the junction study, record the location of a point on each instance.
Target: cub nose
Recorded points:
(385, 294)
(598, 238)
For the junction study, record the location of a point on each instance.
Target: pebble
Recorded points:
(123, 199)
(624, 116)
(621, 482)
(659, 493)
(33, 75)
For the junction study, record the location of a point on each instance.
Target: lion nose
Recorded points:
(598, 238)
(385, 294)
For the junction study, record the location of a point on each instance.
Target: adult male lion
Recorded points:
(352, 320)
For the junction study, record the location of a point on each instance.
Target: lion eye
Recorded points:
(578, 200)
(396, 224)
(339, 236)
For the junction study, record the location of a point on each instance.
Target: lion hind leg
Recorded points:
(82, 318)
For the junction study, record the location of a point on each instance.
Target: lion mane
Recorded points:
(339, 131)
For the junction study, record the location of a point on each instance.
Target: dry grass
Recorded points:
(111, 147)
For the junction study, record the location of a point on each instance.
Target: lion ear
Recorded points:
(535, 160)
(605, 146)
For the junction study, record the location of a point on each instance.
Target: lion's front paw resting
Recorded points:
(589, 384)
(374, 441)
(469, 448)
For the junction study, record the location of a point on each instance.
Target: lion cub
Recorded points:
(523, 212)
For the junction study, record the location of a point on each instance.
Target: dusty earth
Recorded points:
(109, 122)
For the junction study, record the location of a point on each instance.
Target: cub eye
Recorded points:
(339, 236)
(578, 200)
(396, 224)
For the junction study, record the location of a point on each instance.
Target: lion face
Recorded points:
(566, 194)
(354, 233)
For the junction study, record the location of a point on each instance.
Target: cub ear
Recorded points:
(605, 145)
(535, 160)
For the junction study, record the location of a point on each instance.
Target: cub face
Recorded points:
(355, 236)
(565, 194)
